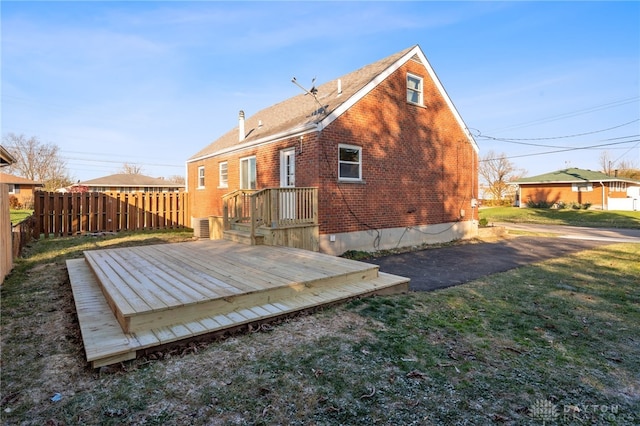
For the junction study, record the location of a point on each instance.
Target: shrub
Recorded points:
(544, 204)
(483, 222)
(14, 203)
(560, 205)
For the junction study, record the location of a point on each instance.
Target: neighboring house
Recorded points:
(392, 160)
(127, 183)
(21, 188)
(580, 187)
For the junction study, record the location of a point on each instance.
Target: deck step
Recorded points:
(106, 343)
(241, 236)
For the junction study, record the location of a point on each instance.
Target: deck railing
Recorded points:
(236, 207)
(274, 208)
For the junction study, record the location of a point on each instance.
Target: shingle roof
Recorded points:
(571, 175)
(125, 179)
(7, 178)
(302, 112)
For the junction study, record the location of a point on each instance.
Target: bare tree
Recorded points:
(622, 168)
(37, 161)
(606, 164)
(497, 171)
(176, 179)
(628, 169)
(131, 169)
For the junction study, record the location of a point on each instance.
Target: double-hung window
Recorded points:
(349, 162)
(201, 177)
(414, 89)
(618, 186)
(223, 169)
(248, 173)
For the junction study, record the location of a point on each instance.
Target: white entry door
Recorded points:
(287, 180)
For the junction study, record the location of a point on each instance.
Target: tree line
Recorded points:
(42, 162)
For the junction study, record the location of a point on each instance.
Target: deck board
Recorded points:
(248, 283)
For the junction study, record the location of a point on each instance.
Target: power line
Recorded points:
(480, 135)
(567, 149)
(120, 162)
(561, 146)
(626, 152)
(600, 107)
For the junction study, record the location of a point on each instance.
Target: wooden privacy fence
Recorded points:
(74, 213)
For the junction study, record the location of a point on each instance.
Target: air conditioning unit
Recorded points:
(201, 227)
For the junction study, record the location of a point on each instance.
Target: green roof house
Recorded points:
(579, 187)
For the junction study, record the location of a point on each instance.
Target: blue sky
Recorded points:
(151, 83)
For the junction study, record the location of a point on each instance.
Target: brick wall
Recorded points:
(418, 166)
(553, 193)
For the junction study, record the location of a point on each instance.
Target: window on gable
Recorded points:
(223, 168)
(201, 177)
(349, 162)
(414, 89)
(248, 173)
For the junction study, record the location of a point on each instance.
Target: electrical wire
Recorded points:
(564, 150)
(600, 107)
(480, 135)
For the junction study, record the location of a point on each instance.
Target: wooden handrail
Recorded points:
(271, 207)
(236, 207)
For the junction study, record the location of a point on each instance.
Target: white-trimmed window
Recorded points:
(618, 186)
(414, 89)
(349, 162)
(223, 179)
(13, 188)
(201, 177)
(248, 173)
(582, 187)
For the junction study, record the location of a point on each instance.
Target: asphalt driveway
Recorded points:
(436, 268)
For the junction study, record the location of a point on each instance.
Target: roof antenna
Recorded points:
(313, 91)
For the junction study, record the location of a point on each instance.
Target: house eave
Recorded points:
(546, 182)
(297, 131)
(386, 73)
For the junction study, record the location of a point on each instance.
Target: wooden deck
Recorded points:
(137, 298)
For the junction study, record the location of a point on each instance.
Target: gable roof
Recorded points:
(7, 178)
(572, 175)
(128, 179)
(303, 114)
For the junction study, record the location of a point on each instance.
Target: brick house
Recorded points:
(581, 188)
(392, 160)
(126, 183)
(21, 188)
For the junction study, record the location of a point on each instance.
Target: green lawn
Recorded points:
(19, 215)
(555, 342)
(590, 218)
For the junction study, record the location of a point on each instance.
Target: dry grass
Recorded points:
(562, 332)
